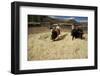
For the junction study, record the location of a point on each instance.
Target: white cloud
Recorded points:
(71, 18)
(83, 21)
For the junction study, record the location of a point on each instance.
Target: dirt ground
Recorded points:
(41, 47)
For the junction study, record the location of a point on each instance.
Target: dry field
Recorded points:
(41, 47)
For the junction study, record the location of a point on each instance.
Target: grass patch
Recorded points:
(41, 47)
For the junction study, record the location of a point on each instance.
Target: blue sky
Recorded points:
(77, 18)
